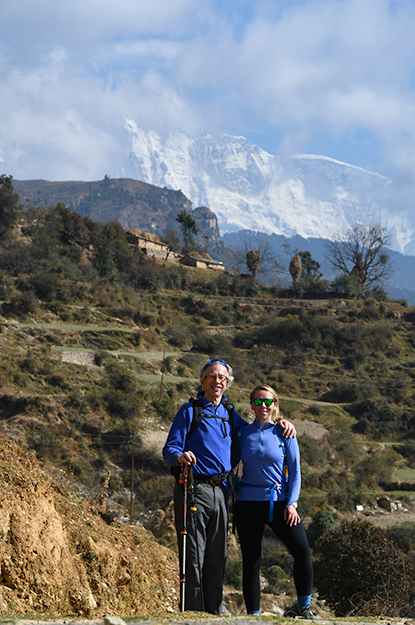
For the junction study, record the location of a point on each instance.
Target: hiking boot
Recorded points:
(308, 614)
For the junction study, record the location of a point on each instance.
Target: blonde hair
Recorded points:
(264, 387)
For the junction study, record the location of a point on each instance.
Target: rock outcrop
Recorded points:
(58, 556)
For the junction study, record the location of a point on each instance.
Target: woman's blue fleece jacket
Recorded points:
(262, 453)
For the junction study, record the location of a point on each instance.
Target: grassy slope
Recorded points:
(83, 419)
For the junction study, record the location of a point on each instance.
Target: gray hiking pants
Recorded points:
(206, 545)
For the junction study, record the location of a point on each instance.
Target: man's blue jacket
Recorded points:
(210, 442)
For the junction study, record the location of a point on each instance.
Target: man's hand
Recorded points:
(187, 458)
(291, 516)
(288, 430)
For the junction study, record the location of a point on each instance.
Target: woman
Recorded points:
(266, 496)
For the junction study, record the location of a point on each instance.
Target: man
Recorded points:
(208, 451)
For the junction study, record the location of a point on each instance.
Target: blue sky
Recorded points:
(331, 77)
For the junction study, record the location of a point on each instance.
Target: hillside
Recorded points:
(131, 202)
(99, 346)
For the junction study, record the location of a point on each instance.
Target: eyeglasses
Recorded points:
(258, 402)
(221, 362)
(216, 376)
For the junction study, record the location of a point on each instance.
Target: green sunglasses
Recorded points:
(267, 402)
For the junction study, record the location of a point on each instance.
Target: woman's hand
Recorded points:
(288, 430)
(291, 516)
(186, 457)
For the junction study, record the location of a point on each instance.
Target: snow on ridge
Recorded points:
(333, 160)
(248, 188)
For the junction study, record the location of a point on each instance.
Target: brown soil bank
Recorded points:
(59, 557)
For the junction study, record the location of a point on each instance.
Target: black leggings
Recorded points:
(250, 520)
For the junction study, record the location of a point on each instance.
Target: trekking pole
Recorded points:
(183, 480)
(194, 516)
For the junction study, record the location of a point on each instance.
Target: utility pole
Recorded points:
(162, 374)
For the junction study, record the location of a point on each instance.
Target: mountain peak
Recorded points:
(248, 188)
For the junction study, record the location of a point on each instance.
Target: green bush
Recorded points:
(345, 392)
(375, 417)
(21, 305)
(314, 452)
(346, 285)
(359, 570)
(121, 405)
(403, 535)
(376, 468)
(47, 285)
(119, 378)
(322, 522)
(233, 571)
(177, 334)
(278, 581)
(407, 450)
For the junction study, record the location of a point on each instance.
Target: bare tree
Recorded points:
(360, 252)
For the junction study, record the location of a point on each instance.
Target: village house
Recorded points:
(150, 244)
(147, 243)
(202, 263)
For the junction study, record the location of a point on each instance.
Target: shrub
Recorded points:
(376, 468)
(359, 570)
(322, 522)
(233, 571)
(119, 377)
(343, 392)
(278, 581)
(374, 417)
(21, 305)
(313, 451)
(121, 405)
(346, 285)
(211, 343)
(407, 450)
(369, 311)
(404, 536)
(178, 334)
(46, 285)
(57, 379)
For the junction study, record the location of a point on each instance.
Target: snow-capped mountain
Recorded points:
(247, 188)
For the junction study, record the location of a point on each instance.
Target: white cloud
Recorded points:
(84, 23)
(72, 72)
